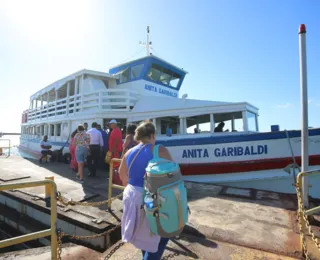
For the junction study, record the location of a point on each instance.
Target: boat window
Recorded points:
(198, 124)
(58, 129)
(165, 123)
(154, 72)
(124, 76)
(174, 81)
(136, 71)
(42, 130)
(72, 87)
(252, 126)
(164, 76)
(62, 92)
(44, 100)
(232, 122)
(51, 130)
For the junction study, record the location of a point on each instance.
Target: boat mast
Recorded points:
(148, 44)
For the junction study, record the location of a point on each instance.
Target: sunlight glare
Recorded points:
(48, 20)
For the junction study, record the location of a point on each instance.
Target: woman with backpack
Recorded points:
(135, 228)
(129, 141)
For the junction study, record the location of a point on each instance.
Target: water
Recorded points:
(14, 143)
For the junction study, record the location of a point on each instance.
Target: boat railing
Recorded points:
(98, 101)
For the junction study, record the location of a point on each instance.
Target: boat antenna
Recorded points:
(148, 44)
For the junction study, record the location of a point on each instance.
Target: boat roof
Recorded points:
(148, 57)
(59, 83)
(155, 107)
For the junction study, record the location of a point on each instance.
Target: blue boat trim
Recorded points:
(218, 139)
(236, 138)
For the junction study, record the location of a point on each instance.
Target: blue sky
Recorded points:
(233, 50)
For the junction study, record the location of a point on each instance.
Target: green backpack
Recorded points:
(165, 200)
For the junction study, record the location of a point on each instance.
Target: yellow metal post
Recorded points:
(110, 183)
(54, 239)
(48, 187)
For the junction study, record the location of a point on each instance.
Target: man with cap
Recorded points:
(115, 140)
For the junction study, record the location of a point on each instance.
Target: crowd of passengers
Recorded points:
(91, 146)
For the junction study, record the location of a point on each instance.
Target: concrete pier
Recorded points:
(225, 222)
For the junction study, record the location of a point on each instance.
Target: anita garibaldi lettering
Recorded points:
(160, 90)
(226, 151)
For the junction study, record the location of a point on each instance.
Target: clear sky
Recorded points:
(233, 50)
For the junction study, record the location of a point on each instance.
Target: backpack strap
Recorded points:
(177, 195)
(135, 157)
(156, 151)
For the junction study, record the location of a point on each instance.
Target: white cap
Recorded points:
(113, 121)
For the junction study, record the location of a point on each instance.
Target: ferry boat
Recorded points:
(149, 88)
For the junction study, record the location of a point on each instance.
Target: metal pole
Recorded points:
(54, 238)
(148, 31)
(110, 183)
(304, 106)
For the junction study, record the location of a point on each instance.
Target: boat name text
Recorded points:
(226, 151)
(160, 90)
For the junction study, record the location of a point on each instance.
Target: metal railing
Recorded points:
(303, 215)
(40, 234)
(111, 185)
(5, 147)
(102, 100)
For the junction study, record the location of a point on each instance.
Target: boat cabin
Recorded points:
(150, 76)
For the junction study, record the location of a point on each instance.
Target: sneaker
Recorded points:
(80, 181)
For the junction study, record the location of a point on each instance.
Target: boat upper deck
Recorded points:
(146, 88)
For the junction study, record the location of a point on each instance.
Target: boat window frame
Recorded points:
(163, 67)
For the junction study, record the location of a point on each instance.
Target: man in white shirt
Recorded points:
(95, 148)
(45, 146)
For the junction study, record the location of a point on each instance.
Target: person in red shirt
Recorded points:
(115, 141)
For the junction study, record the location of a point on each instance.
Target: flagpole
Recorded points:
(304, 110)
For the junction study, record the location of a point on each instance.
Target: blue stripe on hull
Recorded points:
(236, 138)
(219, 139)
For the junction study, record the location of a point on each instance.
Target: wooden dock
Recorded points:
(225, 222)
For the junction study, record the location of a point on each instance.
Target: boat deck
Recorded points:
(225, 222)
